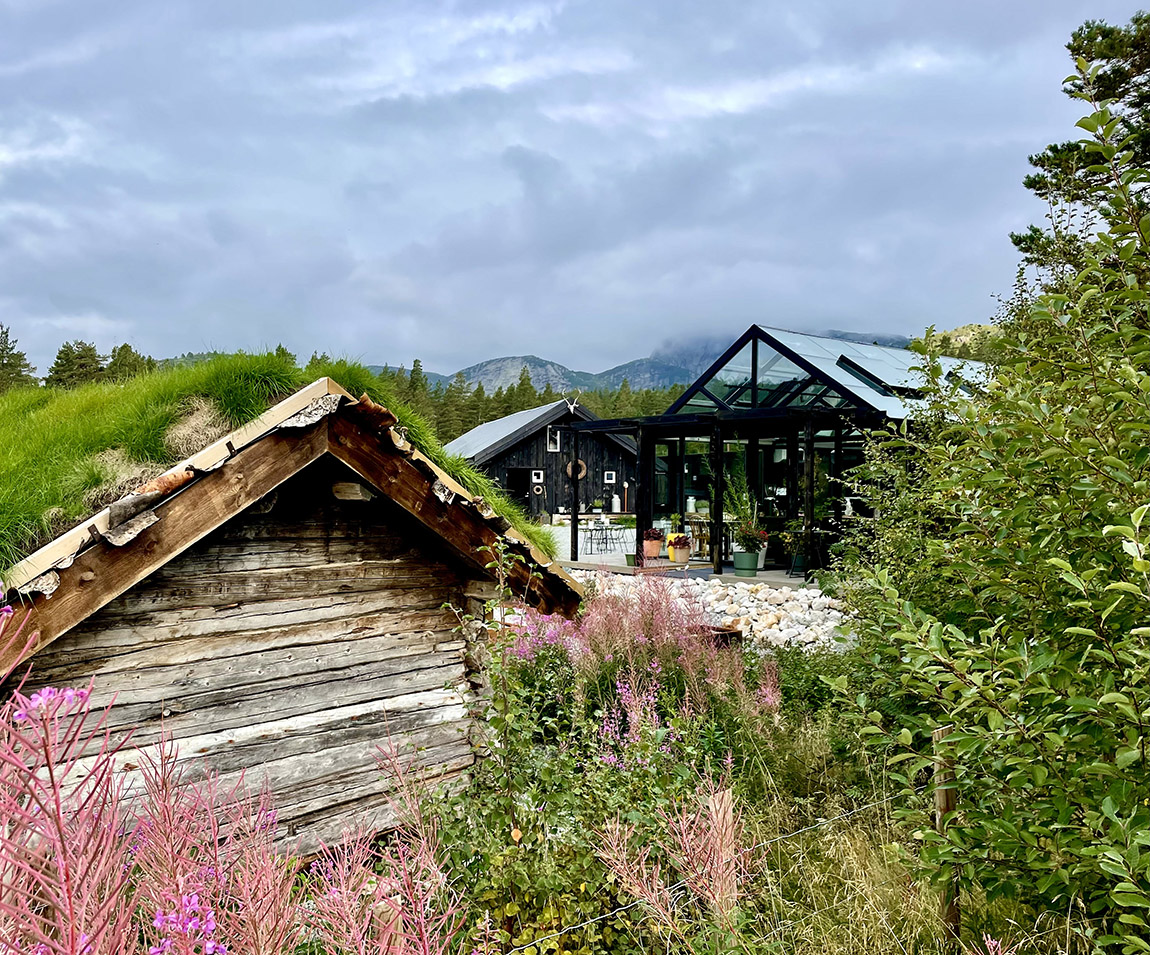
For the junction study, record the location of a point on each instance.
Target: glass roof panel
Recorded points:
(844, 373)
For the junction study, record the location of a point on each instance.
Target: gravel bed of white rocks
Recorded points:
(769, 616)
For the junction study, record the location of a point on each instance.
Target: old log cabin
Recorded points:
(279, 604)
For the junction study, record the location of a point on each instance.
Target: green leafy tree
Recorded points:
(125, 362)
(1009, 596)
(76, 363)
(15, 370)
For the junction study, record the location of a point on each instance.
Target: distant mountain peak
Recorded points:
(672, 363)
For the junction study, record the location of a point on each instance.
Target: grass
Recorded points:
(51, 441)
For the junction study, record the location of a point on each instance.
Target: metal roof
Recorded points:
(485, 436)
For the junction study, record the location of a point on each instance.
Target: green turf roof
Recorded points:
(51, 441)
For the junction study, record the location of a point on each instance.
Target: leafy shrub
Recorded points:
(1014, 606)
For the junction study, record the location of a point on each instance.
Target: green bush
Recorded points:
(1013, 604)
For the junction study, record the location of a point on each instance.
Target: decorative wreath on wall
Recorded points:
(582, 469)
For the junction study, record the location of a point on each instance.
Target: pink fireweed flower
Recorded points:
(47, 699)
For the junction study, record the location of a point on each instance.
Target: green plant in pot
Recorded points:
(751, 539)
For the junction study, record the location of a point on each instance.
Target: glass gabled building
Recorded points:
(788, 410)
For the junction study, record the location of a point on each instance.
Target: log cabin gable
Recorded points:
(284, 610)
(196, 498)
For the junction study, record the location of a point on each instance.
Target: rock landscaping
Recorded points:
(769, 617)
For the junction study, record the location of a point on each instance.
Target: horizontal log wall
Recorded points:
(288, 645)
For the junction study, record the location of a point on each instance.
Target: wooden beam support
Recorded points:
(792, 473)
(809, 494)
(838, 490)
(351, 491)
(103, 572)
(718, 492)
(643, 489)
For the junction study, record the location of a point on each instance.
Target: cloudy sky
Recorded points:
(455, 181)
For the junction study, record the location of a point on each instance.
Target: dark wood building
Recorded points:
(276, 605)
(529, 454)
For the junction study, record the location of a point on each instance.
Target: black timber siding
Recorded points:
(599, 453)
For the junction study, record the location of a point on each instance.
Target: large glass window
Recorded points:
(780, 383)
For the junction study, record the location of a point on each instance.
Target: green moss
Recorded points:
(49, 438)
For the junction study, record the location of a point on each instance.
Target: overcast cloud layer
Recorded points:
(458, 181)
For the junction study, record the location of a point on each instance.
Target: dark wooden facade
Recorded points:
(517, 466)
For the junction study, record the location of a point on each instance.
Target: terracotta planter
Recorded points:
(652, 548)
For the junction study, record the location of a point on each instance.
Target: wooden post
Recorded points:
(718, 490)
(945, 803)
(681, 477)
(754, 473)
(809, 495)
(838, 490)
(792, 472)
(724, 863)
(574, 495)
(644, 489)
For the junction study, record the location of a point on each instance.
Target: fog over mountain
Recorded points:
(670, 364)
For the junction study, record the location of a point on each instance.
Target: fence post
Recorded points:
(945, 803)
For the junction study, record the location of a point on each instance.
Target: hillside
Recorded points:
(68, 453)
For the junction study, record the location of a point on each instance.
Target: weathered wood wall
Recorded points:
(288, 644)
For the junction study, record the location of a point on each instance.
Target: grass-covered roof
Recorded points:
(66, 454)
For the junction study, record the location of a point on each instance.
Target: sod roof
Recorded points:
(66, 454)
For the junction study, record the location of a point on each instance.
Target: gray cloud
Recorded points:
(459, 180)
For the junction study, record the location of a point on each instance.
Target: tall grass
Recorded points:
(50, 439)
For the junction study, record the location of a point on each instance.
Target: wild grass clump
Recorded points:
(53, 463)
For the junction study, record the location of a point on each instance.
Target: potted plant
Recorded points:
(679, 548)
(652, 542)
(752, 539)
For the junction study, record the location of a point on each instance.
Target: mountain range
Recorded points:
(679, 364)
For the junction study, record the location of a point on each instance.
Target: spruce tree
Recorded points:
(125, 362)
(524, 395)
(15, 370)
(625, 404)
(76, 363)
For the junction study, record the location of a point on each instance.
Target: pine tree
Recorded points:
(478, 407)
(320, 359)
(76, 363)
(450, 417)
(548, 395)
(15, 370)
(125, 362)
(624, 404)
(523, 394)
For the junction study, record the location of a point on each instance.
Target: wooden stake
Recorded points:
(945, 803)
